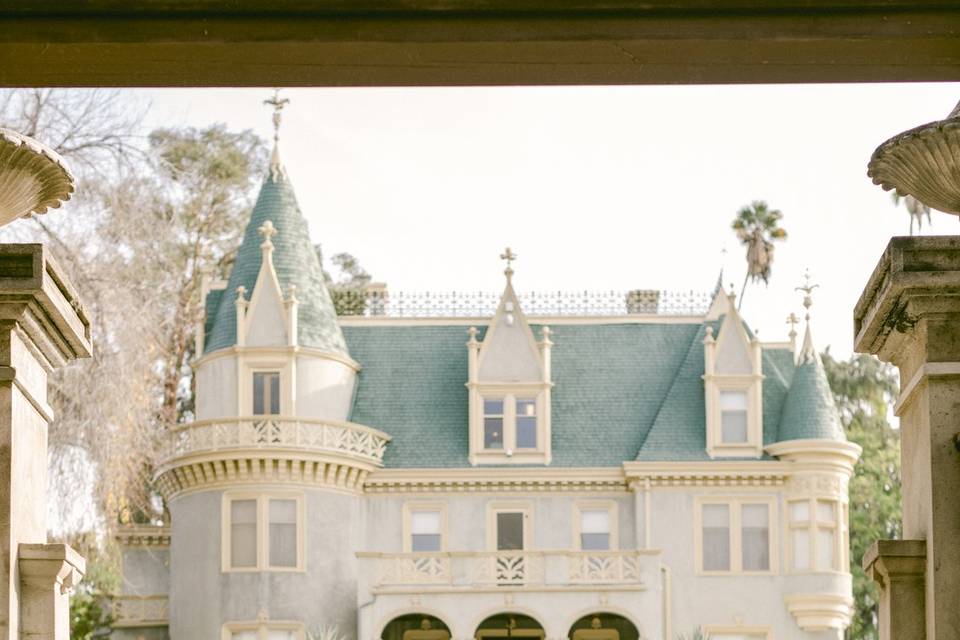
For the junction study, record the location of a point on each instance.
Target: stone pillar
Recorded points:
(909, 314)
(42, 326)
(898, 566)
(47, 573)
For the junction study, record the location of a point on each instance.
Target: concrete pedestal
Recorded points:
(909, 314)
(42, 326)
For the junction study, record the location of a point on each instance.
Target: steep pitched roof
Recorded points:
(809, 411)
(296, 263)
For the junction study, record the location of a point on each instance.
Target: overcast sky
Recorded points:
(594, 188)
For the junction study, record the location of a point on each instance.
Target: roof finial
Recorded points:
(793, 321)
(276, 168)
(509, 256)
(807, 352)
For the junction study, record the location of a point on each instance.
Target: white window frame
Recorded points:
(716, 447)
(758, 632)
(250, 363)
(840, 536)
(262, 499)
(266, 395)
(493, 508)
(510, 454)
(262, 628)
(735, 505)
(409, 508)
(611, 507)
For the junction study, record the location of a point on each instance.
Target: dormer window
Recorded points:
(733, 417)
(509, 388)
(733, 385)
(266, 393)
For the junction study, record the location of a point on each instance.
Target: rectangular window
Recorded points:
(826, 535)
(815, 535)
(733, 417)
(716, 537)
(595, 530)
(493, 423)
(755, 537)
(283, 533)
(262, 532)
(800, 533)
(243, 533)
(425, 530)
(509, 530)
(526, 423)
(266, 393)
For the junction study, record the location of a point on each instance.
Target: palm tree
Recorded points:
(757, 226)
(915, 208)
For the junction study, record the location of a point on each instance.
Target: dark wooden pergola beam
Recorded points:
(473, 42)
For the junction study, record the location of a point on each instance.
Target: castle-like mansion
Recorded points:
(638, 475)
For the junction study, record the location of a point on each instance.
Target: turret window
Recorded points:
(262, 532)
(733, 417)
(266, 393)
(814, 535)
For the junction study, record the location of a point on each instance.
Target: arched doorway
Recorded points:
(416, 626)
(509, 625)
(603, 626)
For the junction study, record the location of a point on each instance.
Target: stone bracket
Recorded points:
(45, 566)
(899, 567)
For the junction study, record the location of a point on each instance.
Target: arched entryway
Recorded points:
(509, 625)
(416, 626)
(603, 626)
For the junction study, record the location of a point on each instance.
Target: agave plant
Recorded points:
(325, 632)
(697, 634)
(757, 227)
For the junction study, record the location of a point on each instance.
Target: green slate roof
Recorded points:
(810, 411)
(622, 392)
(295, 262)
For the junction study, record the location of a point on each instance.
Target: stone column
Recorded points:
(42, 326)
(909, 314)
(898, 566)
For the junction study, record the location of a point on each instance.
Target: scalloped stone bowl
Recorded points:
(923, 162)
(33, 178)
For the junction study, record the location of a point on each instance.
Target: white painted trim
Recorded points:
(751, 632)
(262, 627)
(924, 371)
(285, 352)
(735, 504)
(481, 321)
(409, 508)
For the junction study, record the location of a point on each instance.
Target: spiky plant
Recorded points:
(757, 227)
(325, 632)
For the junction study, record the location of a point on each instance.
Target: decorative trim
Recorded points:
(716, 473)
(143, 535)
(288, 351)
(440, 321)
(924, 371)
(748, 632)
(817, 455)
(262, 626)
(820, 611)
(488, 480)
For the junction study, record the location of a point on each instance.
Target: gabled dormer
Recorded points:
(509, 387)
(733, 384)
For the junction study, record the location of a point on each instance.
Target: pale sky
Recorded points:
(600, 188)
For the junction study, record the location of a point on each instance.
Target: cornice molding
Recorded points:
(496, 479)
(733, 473)
(143, 535)
(295, 350)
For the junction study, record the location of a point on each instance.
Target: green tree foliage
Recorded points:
(757, 226)
(89, 614)
(348, 290)
(862, 389)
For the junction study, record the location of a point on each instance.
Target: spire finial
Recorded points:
(807, 289)
(509, 256)
(267, 230)
(793, 321)
(278, 104)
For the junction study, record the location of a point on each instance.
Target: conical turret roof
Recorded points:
(295, 262)
(809, 411)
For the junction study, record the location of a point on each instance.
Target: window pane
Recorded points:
(259, 393)
(243, 533)
(509, 531)
(266, 393)
(425, 522)
(825, 512)
(595, 541)
(801, 548)
(283, 533)
(526, 432)
(716, 537)
(755, 537)
(595, 521)
(493, 433)
(493, 407)
(825, 549)
(274, 393)
(425, 542)
(800, 511)
(733, 400)
(526, 407)
(733, 416)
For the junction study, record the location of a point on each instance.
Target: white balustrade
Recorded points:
(344, 438)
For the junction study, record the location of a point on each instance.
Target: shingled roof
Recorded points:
(296, 263)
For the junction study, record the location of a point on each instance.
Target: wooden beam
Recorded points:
(474, 42)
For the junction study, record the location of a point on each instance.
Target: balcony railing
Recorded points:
(521, 569)
(139, 611)
(342, 438)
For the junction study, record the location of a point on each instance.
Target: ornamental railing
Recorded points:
(520, 569)
(259, 432)
(139, 611)
(453, 304)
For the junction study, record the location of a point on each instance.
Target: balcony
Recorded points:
(139, 611)
(259, 448)
(526, 570)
